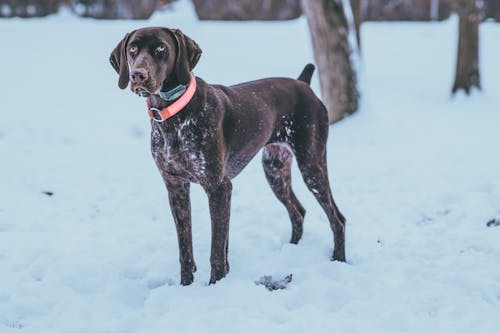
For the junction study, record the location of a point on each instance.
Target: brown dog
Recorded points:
(219, 130)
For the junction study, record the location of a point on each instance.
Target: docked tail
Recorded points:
(306, 74)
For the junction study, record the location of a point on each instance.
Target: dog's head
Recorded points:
(152, 58)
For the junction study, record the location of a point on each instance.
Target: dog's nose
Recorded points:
(138, 75)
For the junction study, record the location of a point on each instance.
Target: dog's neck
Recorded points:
(170, 91)
(162, 108)
(158, 102)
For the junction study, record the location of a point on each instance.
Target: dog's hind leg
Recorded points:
(308, 141)
(314, 172)
(277, 161)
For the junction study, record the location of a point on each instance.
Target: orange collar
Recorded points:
(171, 110)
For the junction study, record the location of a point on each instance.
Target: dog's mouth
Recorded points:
(143, 90)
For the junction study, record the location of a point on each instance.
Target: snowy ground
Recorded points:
(415, 172)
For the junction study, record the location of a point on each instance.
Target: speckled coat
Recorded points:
(220, 130)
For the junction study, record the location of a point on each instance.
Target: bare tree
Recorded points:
(471, 13)
(247, 9)
(406, 10)
(357, 17)
(493, 9)
(329, 30)
(117, 9)
(28, 8)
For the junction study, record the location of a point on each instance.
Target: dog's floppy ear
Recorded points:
(188, 54)
(118, 60)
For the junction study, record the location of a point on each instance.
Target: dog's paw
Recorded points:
(187, 279)
(218, 273)
(338, 256)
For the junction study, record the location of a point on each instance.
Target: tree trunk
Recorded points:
(406, 10)
(357, 18)
(493, 9)
(467, 72)
(115, 9)
(247, 9)
(328, 27)
(28, 8)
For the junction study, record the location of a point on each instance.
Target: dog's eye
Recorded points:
(133, 49)
(160, 48)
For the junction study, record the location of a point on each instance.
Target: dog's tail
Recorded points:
(306, 74)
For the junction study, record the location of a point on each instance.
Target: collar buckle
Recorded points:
(155, 115)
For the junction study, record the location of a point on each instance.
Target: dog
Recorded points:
(207, 133)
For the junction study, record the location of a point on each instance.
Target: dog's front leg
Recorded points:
(178, 195)
(219, 199)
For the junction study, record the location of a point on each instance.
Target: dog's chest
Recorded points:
(178, 149)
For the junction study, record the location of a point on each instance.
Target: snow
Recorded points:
(415, 172)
